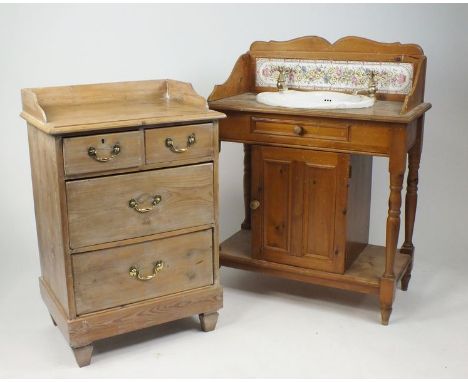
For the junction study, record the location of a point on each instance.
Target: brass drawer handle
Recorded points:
(135, 272)
(114, 152)
(254, 204)
(191, 140)
(134, 204)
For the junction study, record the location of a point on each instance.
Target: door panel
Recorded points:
(319, 210)
(277, 186)
(302, 196)
(272, 186)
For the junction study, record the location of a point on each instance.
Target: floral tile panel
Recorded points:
(391, 77)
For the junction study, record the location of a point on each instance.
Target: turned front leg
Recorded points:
(414, 159)
(397, 167)
(247, 184)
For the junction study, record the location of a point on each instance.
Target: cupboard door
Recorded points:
(300, 215)
(273, 186)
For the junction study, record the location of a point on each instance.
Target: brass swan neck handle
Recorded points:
(191, 140)
(115, 150)
(135, 272)
(132, 203)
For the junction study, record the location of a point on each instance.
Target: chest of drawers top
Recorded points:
(95, 108)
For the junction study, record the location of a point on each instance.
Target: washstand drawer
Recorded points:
(182, 143)
(122, 275)
(325, 130)
(102, 152)
(120, 207)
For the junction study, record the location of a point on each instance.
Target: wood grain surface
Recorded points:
(102, 277)
(96, 107)
(158, 151)
(77, 160)
(99, 210)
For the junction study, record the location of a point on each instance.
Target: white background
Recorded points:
(268, 327)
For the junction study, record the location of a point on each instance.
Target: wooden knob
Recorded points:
(298, 130)
(254, 204)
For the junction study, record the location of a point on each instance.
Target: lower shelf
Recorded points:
(363, 275)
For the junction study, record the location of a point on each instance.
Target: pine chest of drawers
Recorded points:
(125, 192)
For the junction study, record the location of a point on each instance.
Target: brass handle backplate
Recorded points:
(92, 152)
(191, 140)
(135, 205)
(135, 272)
(254, 204)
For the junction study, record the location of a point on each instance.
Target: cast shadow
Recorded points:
(309, 295)
(141, 336)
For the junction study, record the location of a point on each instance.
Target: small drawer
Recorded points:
(118, 207)
(104, 152)
(179, 144)
(325, 130)
(122, 275)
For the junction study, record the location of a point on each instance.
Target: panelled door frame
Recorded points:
(290, 229)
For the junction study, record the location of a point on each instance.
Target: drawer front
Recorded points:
(326, 130)
(102, 152)
(120, 207)
(179, 144)
(102, 278)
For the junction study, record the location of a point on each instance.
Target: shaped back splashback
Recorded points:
(313, 63)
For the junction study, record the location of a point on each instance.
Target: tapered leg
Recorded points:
(247, 184)
(385, 311)
(83, 355)
(208, 321)
(387, 295)
(53, 321)
(414, 159)
(397, 167)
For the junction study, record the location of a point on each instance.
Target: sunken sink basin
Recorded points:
(315, 100)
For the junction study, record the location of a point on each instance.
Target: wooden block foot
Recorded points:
(409, 250)
(385, 312)
(83, 355)
(53, 321)
(208, 321)
(405, 281)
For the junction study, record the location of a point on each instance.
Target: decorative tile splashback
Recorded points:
(391, 77)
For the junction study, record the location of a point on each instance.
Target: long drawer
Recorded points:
(120, 207)
(330, 130)
(122, 275)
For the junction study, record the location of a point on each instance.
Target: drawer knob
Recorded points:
(135, 272)
(92, 152)
(298, 130)
(254, 204)
(134, 204)
(191, 140)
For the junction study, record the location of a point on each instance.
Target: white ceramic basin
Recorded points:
(315, 100)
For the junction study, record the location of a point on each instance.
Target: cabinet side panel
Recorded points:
(216, 148)
(45, 157)
(359, 199)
